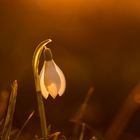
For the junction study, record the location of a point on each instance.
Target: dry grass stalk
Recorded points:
(10, 112)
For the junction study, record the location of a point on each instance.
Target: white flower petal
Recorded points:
(52, 79)
(52, 90)
(44, 91)
(62, 80)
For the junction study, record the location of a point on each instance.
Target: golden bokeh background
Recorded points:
(95, 42)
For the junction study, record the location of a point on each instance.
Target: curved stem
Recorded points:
(35, 63)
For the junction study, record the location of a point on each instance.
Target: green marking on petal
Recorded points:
(48, 54)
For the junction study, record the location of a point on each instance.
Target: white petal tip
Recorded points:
(45, 96)
(60, 94)
(53, 96)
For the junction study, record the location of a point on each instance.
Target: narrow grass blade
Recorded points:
(82, 132)
(10, 112)
(26, 122)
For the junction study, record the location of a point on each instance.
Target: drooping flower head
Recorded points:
(52, 79)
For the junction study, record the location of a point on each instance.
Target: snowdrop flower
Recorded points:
(52, 80)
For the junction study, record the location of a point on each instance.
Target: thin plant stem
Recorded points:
(10, 112)
(26, 122)
(82, 132)
(129, 107)
(35, 63)
(81, 111)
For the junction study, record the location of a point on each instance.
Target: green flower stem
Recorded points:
(35, 63)
(10, 112)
